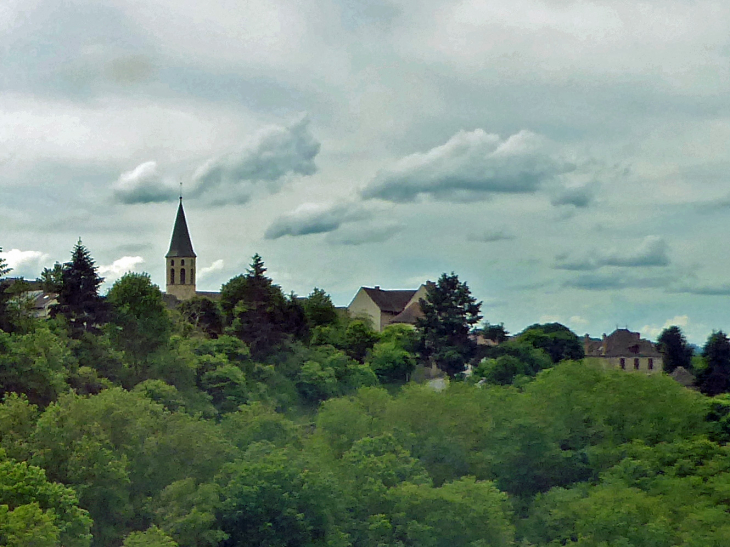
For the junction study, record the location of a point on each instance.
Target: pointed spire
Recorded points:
(180, 244)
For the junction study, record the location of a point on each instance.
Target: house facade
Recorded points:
(625, 350)
(386, 307)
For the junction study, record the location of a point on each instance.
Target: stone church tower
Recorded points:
(181, 260)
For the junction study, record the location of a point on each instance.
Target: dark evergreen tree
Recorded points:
(255, 309)
(4, 296)
(4, 268)
(674, 348)
(51, 279)
(715, 377)
(78, 299)
(449, 313)
(496, 333)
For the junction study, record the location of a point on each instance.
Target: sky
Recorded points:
(568, 159)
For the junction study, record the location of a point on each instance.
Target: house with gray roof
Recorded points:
(625, 350)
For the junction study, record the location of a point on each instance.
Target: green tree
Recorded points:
(496, 333)
(449, 313)
(152, 537)
(51, 279)
(4, 268)
(391, 362)
(560, 343)
(203, 314)
(675, 350)
(140, 322)
(319, 309)
(78, 299)
(255, 309)
(4, 285)
(715, 377)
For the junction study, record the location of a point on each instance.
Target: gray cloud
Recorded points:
(143, 184)
(722, 289)
(358, 234)
(272, 155)
(580, 196)
(490, 236)
(471, 165)
(312, 218)
(650, 253)
(617, 281)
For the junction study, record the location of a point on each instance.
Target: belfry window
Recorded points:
(182, 262)
(182, 276)
(172, 262)
(172, 276)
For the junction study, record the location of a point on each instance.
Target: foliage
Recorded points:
(674, 348)
(203, 314)
(715, 377)
(319, 309)
(78, 298)
(4, 268)
(560, 343)
(152, 537)
(51, 279)
(449, 312)
(496, 333)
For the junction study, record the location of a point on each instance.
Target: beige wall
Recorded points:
(615, 362)
(363, 307)
(181, 291)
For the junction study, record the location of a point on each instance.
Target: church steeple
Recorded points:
(180, 259)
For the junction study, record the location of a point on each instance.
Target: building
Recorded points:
(386, 307)
(625, 350)
(180, 260)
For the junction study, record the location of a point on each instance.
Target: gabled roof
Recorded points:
(409, 315)
(180, 244)
(621, 343)
(390, 301)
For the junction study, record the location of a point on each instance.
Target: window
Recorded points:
(636, 363)
(172, 276)
(623, 363)
(182, 262)
(192, 276)
(182, 276)
(651, 363)
(172, 262)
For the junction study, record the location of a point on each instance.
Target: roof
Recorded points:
(180, 244)
(390, 301)
(621, 343)
(409, 315)
(683, 376)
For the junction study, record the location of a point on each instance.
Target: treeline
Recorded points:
(268, 419)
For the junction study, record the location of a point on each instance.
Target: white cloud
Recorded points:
(217, 266)
(119, 267)
(316, 218)
(265, 161)
(24, 263)
(470, 165)
(143, 184)
(652, 331)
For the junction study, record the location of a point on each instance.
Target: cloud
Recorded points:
(119, 267)
(217, 266)
(356, 234)
(595, 281)
(722, 289)
(314, 218)
(577, 196)
(24, 263)
(652, 331)
(650, 253)
(271, 156)
(143, 184)
(490, 236)
(470, 165)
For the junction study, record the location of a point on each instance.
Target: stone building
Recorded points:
(625, 350)
(180, 260)
(386, 307)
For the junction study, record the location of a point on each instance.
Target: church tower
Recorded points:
(180, 260)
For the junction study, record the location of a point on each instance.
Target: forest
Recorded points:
(267, 419)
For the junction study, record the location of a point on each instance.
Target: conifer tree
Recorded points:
(4, 268)
(449, 313)
(674, 348)
(78, 298)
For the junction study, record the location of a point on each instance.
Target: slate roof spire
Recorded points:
(180, 244)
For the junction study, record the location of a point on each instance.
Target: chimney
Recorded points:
(377, 287)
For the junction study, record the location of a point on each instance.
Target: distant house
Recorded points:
(42, 303)
(387, 307)
(625, 350)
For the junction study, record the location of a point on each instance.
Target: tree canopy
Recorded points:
(674, 349)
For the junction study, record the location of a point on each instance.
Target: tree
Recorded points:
(203, 314)
(715, 377)
(319, 309)
(78, 299)
(560, 343)
(4, 268)
(449, 313)
(496, 333)
(4, 284)
(673, 346)
(51, 279)
(255, 309)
